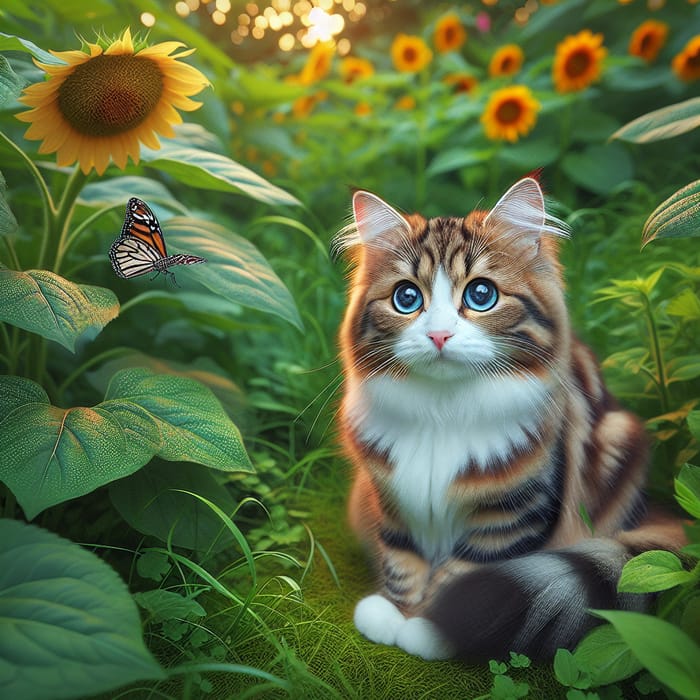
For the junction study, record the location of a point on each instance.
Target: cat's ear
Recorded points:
(520, 214)
(374, 218)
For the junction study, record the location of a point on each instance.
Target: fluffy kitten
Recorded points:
(478, 426)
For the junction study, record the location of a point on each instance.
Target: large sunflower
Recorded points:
(578, 61)
(105, 102)
(507, 60)
(449, 34)
(510, 113)
(648, 39)
(318, 64)
(353, 68)
(686, 65)
(410, 54)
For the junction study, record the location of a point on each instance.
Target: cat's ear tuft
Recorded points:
(520, 214)
(374, 218)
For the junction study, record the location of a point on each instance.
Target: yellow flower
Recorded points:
(449, 34)
(407, 102)
(104, 103)
(510, 113)
(303, 106)
(577, 61)
(362, 109)
(410, 54)
(461, 82)
(352, 69)
(686, 65)
(508, 60)
(648, 39)
(317, 65)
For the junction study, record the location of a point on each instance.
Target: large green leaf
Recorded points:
(213, 171)
(49, 454)
(235, 269)
(664, 649)
(675, 217)
(606, 657)
(117, 191)
(8, 42)
(599, 168)
(653, 571)
(687, 485)
(662, 123)
(10, 84)
(53, 307)
(193, 425)
(68, 626)
(8, 223)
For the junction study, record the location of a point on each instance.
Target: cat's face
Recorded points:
(450, 298)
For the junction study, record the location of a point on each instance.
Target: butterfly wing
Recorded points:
(141, 223)
(132, 257)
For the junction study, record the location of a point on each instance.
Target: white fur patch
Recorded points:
(378, 619)
(421, 637)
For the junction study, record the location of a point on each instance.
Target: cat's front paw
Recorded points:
(378, 619)
(421, 637)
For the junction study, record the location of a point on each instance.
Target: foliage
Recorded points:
(183, 434)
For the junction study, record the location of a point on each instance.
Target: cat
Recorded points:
(480, 430)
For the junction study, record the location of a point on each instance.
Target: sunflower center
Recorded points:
(508, 64)
(508, 111)
(693, 60)
(647, 43)
(410, 55)
(110, 95)
(578, 63)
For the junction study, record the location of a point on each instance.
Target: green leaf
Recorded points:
(693, 419)
(68, 626)
(118, 190)
(235, 269)
(686, 305)
(44, 303)
(662, 123)
(599, 168)
(605, 656)
(457, 158)
(687, 487)
(153, 565)
(663, 649)
(683, 369)
(165, 605)
(152, 503)
(213, 171)
(191, 422)
(8, 42)
(257, 89)
(8, 223)
(568, 671)
(10, 84)
(652, 571)
(675, 217)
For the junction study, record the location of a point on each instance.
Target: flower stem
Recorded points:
(657, 355)
(112, 352)
(64, 213)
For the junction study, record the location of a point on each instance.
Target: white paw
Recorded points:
(421, 637)
(378, 619)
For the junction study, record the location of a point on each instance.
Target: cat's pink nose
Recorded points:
(440, 338)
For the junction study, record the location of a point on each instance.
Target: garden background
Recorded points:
(171, 492)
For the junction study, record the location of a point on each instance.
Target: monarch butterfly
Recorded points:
(140, 248)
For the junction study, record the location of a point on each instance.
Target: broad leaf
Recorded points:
(167, 605)
(213, 171)
(152, 502)
(235, 268)
(675, 217)
(192, 423)
(8, 42)
(652, 571)
(118, 190)
(662, 123)
(458, 158)
(599, 168)
(606, 657)
(8, 223)
(49, 454)
(10, 84)
(663, 649)
(68, 626)
(687, 484)
(53, 307)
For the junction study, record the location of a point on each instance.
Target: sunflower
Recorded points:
(317, 65)
(577, 61)
(460, 82)
(686, 65)
(353, 68)
(410, 54)
(510, 113)
(449, 34)
(648, 39)
(406, 103)
(507, 60)
(105, 102)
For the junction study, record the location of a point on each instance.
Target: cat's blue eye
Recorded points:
(407, 298)
(480, 295)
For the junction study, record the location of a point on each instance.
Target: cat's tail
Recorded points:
(539, 602)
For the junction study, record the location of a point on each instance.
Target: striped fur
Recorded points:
(478, 434)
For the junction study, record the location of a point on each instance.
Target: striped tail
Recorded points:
(533, 604)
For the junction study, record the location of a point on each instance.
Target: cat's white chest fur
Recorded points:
(432, 431)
